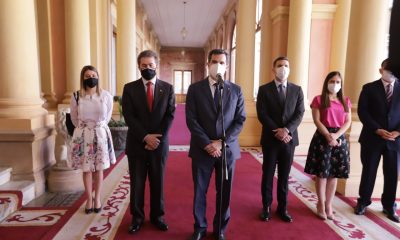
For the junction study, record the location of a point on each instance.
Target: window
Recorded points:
(182, 80)
(257, 48)
(233, 56)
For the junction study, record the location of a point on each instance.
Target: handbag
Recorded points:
(68, 122)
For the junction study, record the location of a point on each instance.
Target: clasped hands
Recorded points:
(282, 134)
(390, 136)
(333, 139)
(214, 148)
(152, 141)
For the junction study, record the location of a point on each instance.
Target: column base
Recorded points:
(27, 146)
(251, 132)
(62, 180)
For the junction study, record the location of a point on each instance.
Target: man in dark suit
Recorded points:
(378, 111)
(148, 105)
(280, 109)
(203, 118)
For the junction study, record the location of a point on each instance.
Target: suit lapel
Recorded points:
(226, 93)
(141, 93)
(207, 91)
(158, 93)
(395, 95)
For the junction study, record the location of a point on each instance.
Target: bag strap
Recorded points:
(76, 96)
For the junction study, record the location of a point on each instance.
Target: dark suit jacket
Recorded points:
(141, 121)
(273, 116)
(374, 113)
(201, 118)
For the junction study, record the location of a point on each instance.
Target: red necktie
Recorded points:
(150, 95)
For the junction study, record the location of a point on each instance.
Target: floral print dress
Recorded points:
(91, 145)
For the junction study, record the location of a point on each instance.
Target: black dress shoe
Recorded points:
(265, 215)
(88, 210)
(219, 237)
(360, 209)
(284, 215)
(97, 210)
(392, 215)
(135, 227)
(197, 235)
(160, 224)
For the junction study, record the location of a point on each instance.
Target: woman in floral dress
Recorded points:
(328, 154)
(92, 148)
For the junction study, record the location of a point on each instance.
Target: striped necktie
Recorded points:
(389, 92)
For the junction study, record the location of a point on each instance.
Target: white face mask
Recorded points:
(282, 73)
(387, 76)
(334, 88)
(216, 68)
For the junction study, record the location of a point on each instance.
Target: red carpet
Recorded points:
(245, 207)
(46, 232)
(179, 134)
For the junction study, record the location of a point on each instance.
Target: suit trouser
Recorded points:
(281, 155)
(370, 158)
(201, 177)
(139, 168)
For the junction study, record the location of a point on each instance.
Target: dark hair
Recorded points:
(147, 53)
(84, 69)
(325, 102)
(385, 63)
(217, 51)
(279, 59)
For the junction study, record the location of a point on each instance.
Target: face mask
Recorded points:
(334, 88)
(91, 82)
(387, 76)
(148, 73)
(216, 68)
(282, 73)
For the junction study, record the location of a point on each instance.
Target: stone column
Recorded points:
(46, 55)
(126, 43)
(244, 75)
(298, 52)
(266, 43)
(340, 36)
(26, 130)
(77, 38)
(100, 40)
(365, 52)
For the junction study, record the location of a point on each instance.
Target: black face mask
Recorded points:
(148, 73)
(91, 82)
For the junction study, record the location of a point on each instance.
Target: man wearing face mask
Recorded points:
(203, 118)
(378, 111)
(148, 106)
(280, 109)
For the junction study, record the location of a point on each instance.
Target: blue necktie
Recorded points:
(216, 96)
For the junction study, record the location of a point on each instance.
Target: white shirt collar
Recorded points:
(386, 83)
(153, 81)
(211, 81)
(279, 83)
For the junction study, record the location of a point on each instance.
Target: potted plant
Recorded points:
(118, 128)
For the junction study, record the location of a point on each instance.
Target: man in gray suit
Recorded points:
(204, 120)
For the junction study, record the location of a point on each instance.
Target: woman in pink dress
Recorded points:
(91, 144)
(328, 154)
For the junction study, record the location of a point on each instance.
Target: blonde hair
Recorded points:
(82, 86)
